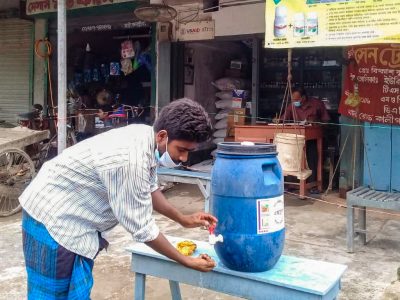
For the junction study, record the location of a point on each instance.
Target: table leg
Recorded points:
(207, 201)
(303, 188)
(140, 286)
(350, 228)
(175, 290)
(362, 221)
(205, 191)
(319, 168)
(303, 183)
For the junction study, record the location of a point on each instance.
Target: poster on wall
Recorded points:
(371, 91)
(34, 7)
(310, 23)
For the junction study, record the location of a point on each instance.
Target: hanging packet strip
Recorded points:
(126, 66)
(127, 50)
(136, 64)
(115, 69)
(145, 59)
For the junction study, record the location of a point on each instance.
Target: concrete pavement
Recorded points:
(314, 230)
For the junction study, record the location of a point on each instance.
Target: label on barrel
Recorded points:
(270, 215)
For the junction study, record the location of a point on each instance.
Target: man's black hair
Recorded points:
(184, 119)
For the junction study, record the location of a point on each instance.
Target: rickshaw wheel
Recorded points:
(16, 172)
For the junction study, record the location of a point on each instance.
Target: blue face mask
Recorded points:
(296, 103)
(165, 159)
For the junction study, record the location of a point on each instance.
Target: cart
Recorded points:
(17, 168)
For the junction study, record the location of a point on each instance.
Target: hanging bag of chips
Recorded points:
(127, 50)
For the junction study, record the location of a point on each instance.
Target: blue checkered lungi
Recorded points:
(53, 271)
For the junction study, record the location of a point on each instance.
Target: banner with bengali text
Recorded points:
(311, 23)
(34, 7)
(373, 70)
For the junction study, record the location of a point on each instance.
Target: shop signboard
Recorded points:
(34, 7)
(195, 31)
(373, 70)
(113, 26)
(312, 23)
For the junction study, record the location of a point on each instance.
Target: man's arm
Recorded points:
(162, 206)
(129, 199)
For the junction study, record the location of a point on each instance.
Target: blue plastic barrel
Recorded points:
(247, 199)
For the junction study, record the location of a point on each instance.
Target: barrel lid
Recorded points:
(245, 148)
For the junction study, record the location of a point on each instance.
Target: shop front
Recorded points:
(242, 85)
(211, 60)
(319, 27)
(315, 83)
(109, 67)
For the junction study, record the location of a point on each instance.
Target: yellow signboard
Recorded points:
(34, 7)
(312, 23)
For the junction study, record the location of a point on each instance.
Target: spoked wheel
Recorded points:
(16, 172)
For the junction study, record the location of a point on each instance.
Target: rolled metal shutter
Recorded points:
(15, 67)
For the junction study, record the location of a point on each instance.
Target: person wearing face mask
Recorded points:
(102, 181)
(304, 109)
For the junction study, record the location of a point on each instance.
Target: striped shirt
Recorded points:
(93, 186)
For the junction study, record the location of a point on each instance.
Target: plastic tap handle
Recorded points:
(211, 229)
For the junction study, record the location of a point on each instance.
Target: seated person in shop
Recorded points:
(304, 109)
(104, 103)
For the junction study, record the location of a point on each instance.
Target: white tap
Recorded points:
(213, 239)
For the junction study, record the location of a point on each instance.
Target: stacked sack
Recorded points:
(224, 104)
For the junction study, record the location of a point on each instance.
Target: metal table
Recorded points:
(362, 198)
(291, 278)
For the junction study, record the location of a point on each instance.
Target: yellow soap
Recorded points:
(186, 248)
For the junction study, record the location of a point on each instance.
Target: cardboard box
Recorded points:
(237, 116)
(237, 103)
(239, 98)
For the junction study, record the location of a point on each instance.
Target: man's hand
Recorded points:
(197, 220)
(203, 263)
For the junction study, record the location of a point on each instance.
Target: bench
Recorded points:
(201, 179)
(291, 278)
(362, 198)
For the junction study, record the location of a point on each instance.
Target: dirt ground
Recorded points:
(314, 230)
